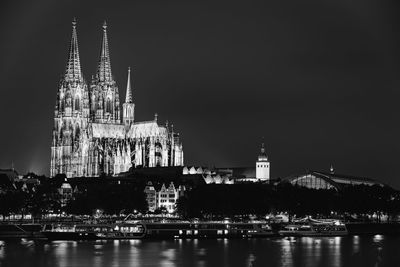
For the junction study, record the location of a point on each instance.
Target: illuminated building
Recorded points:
(163, 197)
(261, 172)
(328, 180)
(89, 136)
(262, 165)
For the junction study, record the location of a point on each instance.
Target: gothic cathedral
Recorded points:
(89, 136)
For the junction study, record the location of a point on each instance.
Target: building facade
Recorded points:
(90, 138)
(164, 197)
(329, 180)
(262, 166)
(65, 192)
(151, 196)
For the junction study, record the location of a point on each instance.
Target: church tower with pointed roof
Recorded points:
(71, 116)
(104, 93)
(262, 165)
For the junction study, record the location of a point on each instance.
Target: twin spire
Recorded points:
(73, 69)
(104, 68)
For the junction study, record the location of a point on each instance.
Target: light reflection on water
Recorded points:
(375, 250)
(287, 251)
(378, 238)
(169, 258)
(336, 251)
(2, 244)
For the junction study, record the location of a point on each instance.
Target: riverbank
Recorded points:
(184, 229)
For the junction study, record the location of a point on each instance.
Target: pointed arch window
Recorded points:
(108, 105)
(77, 132)
(77, 104)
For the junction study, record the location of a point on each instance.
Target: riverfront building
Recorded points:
(258, 173)
(328, 180)
(66, 194)
(163, 197)
(262, 166)
(91, 138)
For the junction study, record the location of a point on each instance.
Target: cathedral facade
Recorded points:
(90, 138)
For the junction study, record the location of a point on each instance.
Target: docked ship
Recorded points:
(311, 227)
(208, 229)
(94, 231)
(162, 230)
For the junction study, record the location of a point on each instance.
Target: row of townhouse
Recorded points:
(163, 197)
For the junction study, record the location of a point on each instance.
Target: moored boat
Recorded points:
(161, 230)
(310, 227)
(94, 231)
(207, 230)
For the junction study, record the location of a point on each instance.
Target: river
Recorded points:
(375, 250)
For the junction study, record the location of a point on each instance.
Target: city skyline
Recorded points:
(319, 94)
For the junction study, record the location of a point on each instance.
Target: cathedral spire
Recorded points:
(128, 98)
(104, 69)
(73, 68)
(128, 108)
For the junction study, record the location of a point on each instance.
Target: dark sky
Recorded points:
(318, 79)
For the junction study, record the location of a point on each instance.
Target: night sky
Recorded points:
(319, 80)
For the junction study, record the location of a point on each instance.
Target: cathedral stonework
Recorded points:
(89, 136)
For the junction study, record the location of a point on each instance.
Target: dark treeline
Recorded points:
(32, 199)
(110, 198)
(260, 199)
(99, 194)
(124, 196)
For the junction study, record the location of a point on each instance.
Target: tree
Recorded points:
(112, 198)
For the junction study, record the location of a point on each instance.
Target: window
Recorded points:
(108, 106)
(77, 104)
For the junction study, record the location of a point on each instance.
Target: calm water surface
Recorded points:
(328, 251)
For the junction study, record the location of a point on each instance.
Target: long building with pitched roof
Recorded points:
(90, 138)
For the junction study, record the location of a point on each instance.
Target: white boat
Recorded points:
(311, 227)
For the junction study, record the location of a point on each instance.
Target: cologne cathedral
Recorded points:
(90, 138)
